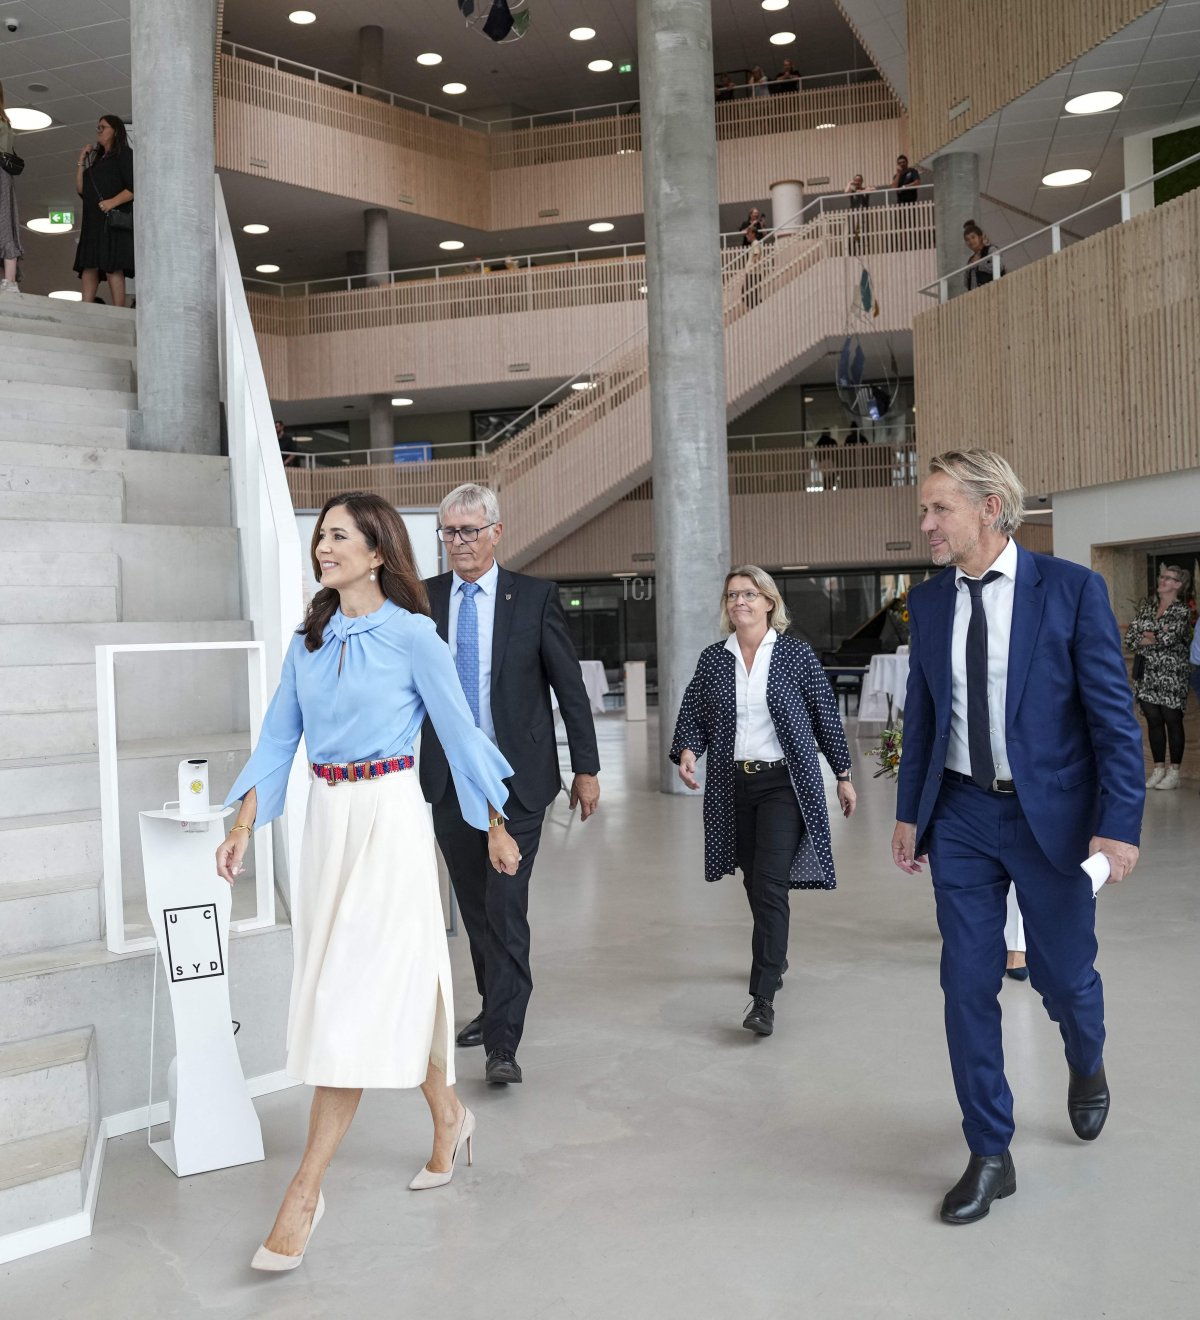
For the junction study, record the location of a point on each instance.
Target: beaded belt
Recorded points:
(347, 773)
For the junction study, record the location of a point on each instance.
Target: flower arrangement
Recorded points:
(888, 750)
(898, 613)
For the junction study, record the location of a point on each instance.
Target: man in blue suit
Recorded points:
(1022, 758)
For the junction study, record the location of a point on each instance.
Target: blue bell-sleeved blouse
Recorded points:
(395, 670)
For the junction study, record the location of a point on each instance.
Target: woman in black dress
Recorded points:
(104, 182)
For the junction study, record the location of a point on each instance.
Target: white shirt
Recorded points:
(485, 611)
(998, 609)
(755, 739)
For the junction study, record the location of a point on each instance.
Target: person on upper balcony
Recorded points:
(787, 79)
(907, 178)
(757, 82)
(858, 192)
(104, 182)
(726, 91)
(979, 266)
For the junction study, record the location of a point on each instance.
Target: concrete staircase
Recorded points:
(103, 544)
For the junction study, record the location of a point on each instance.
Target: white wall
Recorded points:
(1139, 161)
(1145, 509)
(422, 530)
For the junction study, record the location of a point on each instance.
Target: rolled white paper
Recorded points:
(193, 789)
(1098, 870)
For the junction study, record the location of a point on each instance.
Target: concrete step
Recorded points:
(54, 844)
(60, 604)
(60, 568)
(31, 314)
(27, 644)
(46, 1084)
(59, 370)
(29, 431)
(27, 688)
(203, 558)
(48, 733)
(183, 489)
(43, 1178)
(75, 395)
(39, 914)
(32, 784)
(61, 349)
(45, 408)
(32, 492)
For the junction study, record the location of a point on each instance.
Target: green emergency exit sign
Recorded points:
(62, 217)
(625, 68)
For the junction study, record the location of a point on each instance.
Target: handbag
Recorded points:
(1139, 667)
(11, 163)
(121, 221)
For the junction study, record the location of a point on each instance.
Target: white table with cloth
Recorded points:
(595, 683)
(883, 687)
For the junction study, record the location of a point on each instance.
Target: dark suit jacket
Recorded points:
(532, 652)
(1073, 743)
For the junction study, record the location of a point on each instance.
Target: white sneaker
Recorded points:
(1155, 777)
(1169, 780)
(9, 286)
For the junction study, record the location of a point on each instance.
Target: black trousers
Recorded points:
(1163, 724)
(495, 911)
(769, 830)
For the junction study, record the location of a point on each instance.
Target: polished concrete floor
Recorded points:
(659, 1161)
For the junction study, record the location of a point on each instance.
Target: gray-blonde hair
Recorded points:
(982, 472)
(1185, 578)
(779, 618)
(471, 498)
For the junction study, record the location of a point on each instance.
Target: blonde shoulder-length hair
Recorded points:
(779, 618)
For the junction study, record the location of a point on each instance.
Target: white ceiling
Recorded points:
(545, 70)
(882, 25)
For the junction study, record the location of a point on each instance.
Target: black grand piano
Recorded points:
(846, 667)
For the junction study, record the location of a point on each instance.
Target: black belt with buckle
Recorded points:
(1005, 786)
(756, 767)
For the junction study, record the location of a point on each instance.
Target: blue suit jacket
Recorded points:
(1074, 746)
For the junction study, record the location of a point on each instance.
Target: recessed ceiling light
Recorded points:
(25, 119)
(1066, 178)
(302, 16)
(808, 398)
(582, 33)
(454, 89)
(782, 38)
(582, 385)
(641, 288)
(268, 269)
(774, 4)
(256, 229)
(401, 403)
(68, 295)
(601, 226)
(600, 66)
(828, 124)
(451, 244)
(430, 57)
(44, 225)
(1092, 103)
(36, 87)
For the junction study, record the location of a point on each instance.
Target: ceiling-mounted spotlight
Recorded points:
(1066, 178)
(1093, 103)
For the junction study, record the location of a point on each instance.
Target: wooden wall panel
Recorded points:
(989, 58)
(1081, 368)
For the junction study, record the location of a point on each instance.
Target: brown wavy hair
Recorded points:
(383, 530)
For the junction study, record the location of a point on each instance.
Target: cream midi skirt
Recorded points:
(371, 1000)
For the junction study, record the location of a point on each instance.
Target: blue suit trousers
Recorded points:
(979, 844)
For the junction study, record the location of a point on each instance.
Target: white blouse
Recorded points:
(756, 739)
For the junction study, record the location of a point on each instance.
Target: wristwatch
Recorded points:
(494, 822)
(844, 777)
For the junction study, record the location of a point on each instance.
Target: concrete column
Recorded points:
(375, 238)
(955, 201)
(370, 56)
(379, 414)
(175, 228)
(687, 358)
(787, 201)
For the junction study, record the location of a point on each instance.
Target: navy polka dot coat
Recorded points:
(805, 714)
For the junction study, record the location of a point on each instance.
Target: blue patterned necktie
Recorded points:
(979, 736)
(466, 654)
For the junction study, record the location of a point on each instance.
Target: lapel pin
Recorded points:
(508, 595)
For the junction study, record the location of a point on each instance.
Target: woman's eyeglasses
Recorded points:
(732, 597)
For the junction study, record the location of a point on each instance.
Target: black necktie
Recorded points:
(979, 736)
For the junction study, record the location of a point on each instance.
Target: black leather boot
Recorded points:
(987, 1179)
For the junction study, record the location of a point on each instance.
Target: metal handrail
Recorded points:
(489, 127)
(940, 288)
(381, 279)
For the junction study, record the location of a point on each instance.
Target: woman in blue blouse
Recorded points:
(760, 706)
(371, 1001)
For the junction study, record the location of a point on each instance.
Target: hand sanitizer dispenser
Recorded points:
(194, 805)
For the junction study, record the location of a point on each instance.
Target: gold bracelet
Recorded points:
(241, 827)
(494, 822)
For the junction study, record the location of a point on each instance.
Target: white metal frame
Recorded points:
(110, 820)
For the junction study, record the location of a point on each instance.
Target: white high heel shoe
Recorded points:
(466, 1135)
(274, 1261)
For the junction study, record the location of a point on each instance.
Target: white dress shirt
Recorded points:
(756, 739)
(485, 611)
(998, 609)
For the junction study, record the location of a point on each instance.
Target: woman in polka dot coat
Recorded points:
(760, 706)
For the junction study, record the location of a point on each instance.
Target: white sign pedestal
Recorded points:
(635, 690)
(213, 1121)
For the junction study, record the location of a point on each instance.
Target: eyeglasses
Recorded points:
(732, 597)
(467, 535)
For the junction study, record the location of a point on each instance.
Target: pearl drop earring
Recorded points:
(372, 578)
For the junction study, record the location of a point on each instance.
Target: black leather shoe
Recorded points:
(988, 1178)
(761, 1018)
(782, 974)
(1017, 973)
(502, 1067)
(472, 1033)
(1087, 1103)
